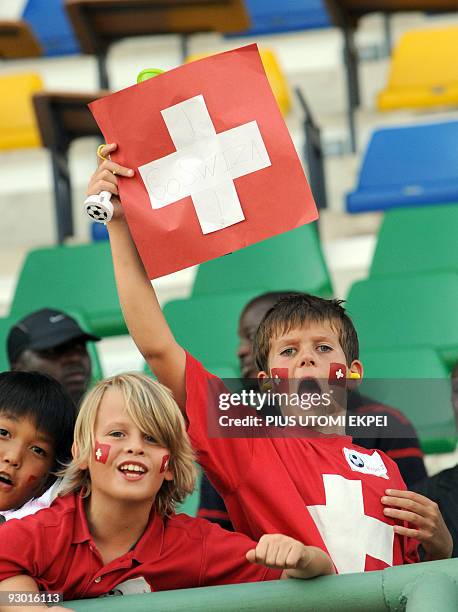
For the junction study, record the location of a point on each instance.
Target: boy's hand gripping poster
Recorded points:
(215, 167)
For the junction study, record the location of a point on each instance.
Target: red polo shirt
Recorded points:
(55, 548)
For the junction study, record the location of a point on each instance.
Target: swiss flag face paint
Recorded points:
(280, 379)
(337, 374)
(164, 464)
(101, 452)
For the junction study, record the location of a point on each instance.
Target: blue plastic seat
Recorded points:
(50, 24)
(270, 16)
(408, 166)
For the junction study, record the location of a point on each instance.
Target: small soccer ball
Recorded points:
(96, 212)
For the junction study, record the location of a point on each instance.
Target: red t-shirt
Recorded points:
(54, 546)
(316, 490)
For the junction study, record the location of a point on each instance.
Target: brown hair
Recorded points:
(292, 312)
(152, 408)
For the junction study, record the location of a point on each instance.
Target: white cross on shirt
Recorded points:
(204, 165)
(348, 533)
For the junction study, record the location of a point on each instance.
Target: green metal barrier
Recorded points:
(421, 587)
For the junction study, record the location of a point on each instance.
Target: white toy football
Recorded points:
(99, 207)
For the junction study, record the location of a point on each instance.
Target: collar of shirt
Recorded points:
(33, 505)
(148, 546)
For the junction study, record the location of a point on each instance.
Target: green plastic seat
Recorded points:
(413, 240)
(407, 312)
(7, 322)
(78, 278)
(416, 382)
(206, 326)
(292, 260)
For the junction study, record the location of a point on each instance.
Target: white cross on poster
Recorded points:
(204, 165)
(348, 533)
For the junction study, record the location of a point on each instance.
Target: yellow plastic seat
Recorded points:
(274, 74)
(424, 71)
(18, 127)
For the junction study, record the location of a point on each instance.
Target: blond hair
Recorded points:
(152, 408)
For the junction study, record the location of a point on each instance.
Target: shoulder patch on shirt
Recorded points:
(366, 464)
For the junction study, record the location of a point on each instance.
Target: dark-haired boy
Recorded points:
(405, 450)
(36, 433)
(314, 489)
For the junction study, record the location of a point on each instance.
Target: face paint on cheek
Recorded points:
(337, 374)
(101, 452)
(164, 464)
(280, 379)
(32, 480)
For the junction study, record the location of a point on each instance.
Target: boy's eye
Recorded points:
(324, 348)
(39, 451)
(4, 433)
(116, 434)
(288, 352)
(150, 439)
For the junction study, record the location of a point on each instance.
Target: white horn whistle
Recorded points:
(99, 207)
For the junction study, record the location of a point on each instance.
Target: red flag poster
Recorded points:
(215, 167)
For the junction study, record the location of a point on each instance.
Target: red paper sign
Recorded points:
(216, 169)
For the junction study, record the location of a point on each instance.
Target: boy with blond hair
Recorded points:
(113, 529)
(321, 490)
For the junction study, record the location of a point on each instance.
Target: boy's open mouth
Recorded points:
(132, 470)
(308, 386)
(5, 479)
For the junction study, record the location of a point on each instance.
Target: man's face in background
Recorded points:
(249, 322)
(69, 363)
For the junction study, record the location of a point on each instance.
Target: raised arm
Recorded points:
(141, 309)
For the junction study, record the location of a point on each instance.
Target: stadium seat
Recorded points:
(423, 71)
(408, 166)
(417, 240)
(18, 127)
(78, 278)
(274, 74)
(407, 312)
(99, 24)
(51, 26)
(7, 322)
(270, 17)
(416, 382)
(206, 326)
(292, 260)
